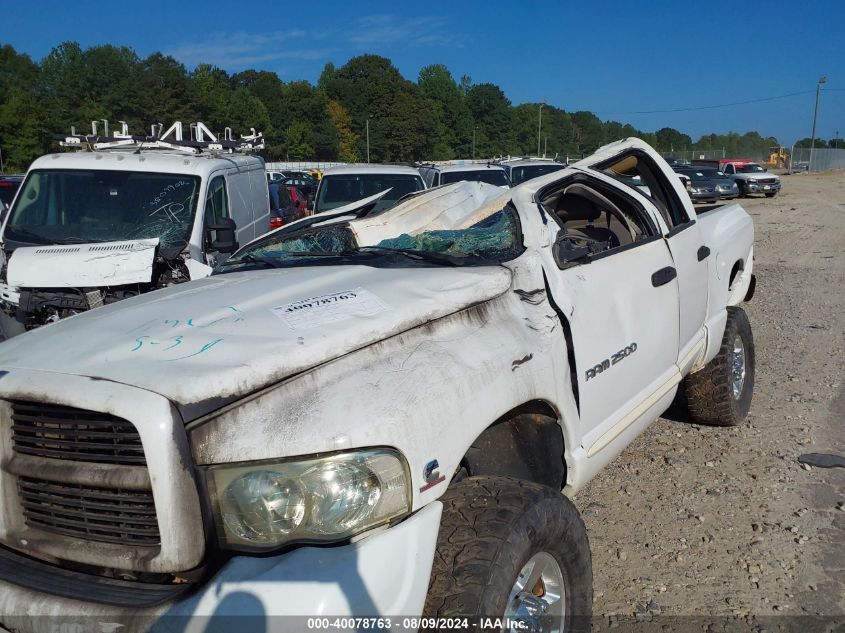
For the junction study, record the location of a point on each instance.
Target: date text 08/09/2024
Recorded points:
(415, 624)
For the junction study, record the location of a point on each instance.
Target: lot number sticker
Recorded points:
(338, 306)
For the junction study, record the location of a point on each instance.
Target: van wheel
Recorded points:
(514, 549)
(720, 394)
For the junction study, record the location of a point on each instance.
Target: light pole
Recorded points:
(545, 145)
(815, 116)
(473, 141)
(368, 139)
(540, 127)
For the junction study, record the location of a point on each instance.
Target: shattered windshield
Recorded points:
(339, 190)
(527, 172)
(397, 237)
(78, 206)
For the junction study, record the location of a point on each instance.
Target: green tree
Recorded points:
(347, 140)
(588, 132)
(491, 111)
(807, 142)
(448, 110)
(299, 141)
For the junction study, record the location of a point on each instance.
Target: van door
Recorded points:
(241, 203)
(217, 208)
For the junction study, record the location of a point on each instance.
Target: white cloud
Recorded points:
(390, 29)
(239, 50)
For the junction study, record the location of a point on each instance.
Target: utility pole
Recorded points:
(368, 138)
(473, 141)
(540, 127)
(545, 145)
(815, 116)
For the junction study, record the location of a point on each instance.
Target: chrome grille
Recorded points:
(60, 432)
(125, 517)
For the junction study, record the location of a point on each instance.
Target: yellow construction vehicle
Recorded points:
(779, 157)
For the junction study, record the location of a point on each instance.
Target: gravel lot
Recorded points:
(693, 520)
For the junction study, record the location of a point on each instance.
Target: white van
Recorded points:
(344, 184)
(521, 169)
(436, 174)
(93, 227)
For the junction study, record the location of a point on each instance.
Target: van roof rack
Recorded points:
(510, 159)
(461, 161)
(200, 140)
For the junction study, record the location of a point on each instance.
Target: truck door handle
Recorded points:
(703, 253)
(663, 276)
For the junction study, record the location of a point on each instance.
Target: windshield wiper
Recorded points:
(249, 258)
(436, 258)
(28, 236)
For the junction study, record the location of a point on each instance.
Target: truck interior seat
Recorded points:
(579, 215)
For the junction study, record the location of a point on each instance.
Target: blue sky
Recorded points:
(615, 58)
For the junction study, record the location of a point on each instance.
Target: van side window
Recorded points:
(216, 201)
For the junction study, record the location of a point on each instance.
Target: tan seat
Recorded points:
(579, 215)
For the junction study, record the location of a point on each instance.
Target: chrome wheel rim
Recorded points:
(737, 366)
(537, 601)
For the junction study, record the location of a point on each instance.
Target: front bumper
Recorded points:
(753, 187)
(385, 574)
(704, 196)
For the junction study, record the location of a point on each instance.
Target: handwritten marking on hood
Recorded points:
(330, 308)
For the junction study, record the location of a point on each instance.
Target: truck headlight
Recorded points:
(263, 505)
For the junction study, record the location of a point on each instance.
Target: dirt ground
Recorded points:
(693, 520)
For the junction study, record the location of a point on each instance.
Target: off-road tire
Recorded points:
(491, 527)
(709, 392)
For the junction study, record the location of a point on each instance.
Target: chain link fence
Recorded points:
(695, 154)
(817, 159)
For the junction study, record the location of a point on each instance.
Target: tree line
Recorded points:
(437, 117)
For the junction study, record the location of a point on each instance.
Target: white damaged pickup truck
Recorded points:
(370, 414)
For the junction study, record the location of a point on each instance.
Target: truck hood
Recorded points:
(756, 176)
(229, 335)
(82, 265)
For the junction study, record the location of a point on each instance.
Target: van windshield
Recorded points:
(341, 189)
(527, 172)
(78, 206)
(490, 176)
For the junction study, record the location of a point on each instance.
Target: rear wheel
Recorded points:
(511, 549)
(720, 394)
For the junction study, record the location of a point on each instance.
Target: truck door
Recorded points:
(686, 245)
(620, 303)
